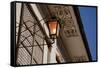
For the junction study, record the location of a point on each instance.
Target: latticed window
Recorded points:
(29, 39)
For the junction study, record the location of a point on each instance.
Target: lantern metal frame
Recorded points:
(53, 36)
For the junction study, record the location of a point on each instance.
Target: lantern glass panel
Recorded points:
(53, 27)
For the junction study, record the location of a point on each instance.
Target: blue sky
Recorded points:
(88, 16)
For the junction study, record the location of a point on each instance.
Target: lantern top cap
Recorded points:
(53, 17)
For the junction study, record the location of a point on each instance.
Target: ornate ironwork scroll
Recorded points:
(66, 20)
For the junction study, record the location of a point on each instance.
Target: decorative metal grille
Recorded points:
(30, 45)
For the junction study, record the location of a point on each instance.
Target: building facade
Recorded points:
(33, 44)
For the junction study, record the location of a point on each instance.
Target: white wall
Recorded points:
(5, 34)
